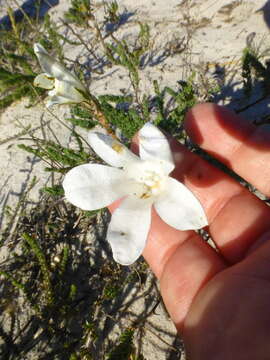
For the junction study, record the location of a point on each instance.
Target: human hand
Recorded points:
(219, 301)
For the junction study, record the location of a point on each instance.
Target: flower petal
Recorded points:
(92, 186)
(110, 150)
(54, 68)
(67, 89)
(43, 81)
(128, 230)
(56, 100)
(155, 146)
(179, 208)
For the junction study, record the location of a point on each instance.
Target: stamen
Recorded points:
(117, 147)
(148, 178)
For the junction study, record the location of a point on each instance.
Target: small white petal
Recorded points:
(128, 230)
(92, 186)
(52, 92)
(111, 150)
(56, 100)
(179, 208)
(43, 81)
(39, 49)
(155, 146)
(67, 89)
(53, 68)
(48, 64)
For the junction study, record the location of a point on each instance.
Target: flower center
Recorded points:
(147, 179)
(153, 184)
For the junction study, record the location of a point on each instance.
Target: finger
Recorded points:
(242, 146)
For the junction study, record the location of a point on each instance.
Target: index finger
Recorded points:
(238, 143)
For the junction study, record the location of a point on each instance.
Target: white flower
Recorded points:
(62, 83)
(141, 182)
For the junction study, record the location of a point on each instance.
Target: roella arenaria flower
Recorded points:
(62, 83)
(141, 182)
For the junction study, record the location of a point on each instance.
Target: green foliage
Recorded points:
(73, 357)
(17, 62)
(124, 348)
(79, 13)
(13, 281)
(129, 121)
(32, 242)
(111, 291)
(111, 12)
(143, 40)
(73, 292)
(56, 190)
(82, 117)
(93, 213)
(120, 53)
(52, 38)
(116, 99)
(184, 98)
(62, 268)
(14, 86)
(251, 64)
(61, 158)
(127, 56)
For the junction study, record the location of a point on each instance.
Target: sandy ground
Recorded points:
(217, 31)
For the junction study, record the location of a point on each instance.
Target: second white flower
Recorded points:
(63, 85)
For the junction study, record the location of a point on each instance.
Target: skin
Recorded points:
(219, 300)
